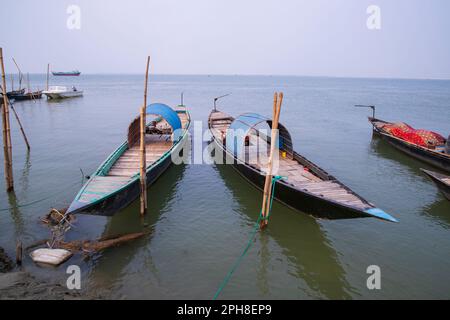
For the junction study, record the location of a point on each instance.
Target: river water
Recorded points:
(200, 216)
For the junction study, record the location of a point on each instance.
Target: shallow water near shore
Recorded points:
(200, 216)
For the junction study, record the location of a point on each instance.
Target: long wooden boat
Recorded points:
(14, 93)
(441, 181)
(115, 184)
(435, 157)
(28, 96)
(304, 186)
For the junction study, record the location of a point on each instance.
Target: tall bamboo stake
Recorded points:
(7, 148)
(143, 163)
(143, 180)
(277, 101)
(48, 71)
(21, 127)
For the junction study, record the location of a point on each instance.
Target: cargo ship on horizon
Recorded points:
(75, 73)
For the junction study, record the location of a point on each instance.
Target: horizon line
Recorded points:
(254, 75)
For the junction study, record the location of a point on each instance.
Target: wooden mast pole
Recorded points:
(143, 162)
(48, 71)
(20, 73)
(7, 148)
(277, 101)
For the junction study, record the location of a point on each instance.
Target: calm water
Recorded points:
(200, 216)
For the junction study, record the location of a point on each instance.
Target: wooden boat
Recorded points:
(437, 157)
(75, 73)
(115, 184)
(304, 186)
(60, 92)
(442, 182)
(28, 96)
(14, 93)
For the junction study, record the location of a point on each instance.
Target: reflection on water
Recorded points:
(437, 208)
(16, 215)
(300, 237)
(383, 149)
(128, 220)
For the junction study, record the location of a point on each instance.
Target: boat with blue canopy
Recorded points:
(244, 143)
(115, 184)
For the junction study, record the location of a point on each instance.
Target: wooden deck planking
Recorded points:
(128, 164)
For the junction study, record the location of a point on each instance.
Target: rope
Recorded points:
(250, 240)
(39, 200)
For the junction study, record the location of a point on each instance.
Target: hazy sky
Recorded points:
(288, 37)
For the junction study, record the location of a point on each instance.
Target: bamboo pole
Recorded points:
(30, 92)
(48, 71)
(7, 148)
(143, 163)
(277, 101)
(143, 180)
(21, 127)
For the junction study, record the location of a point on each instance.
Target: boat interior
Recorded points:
(121, 168)
(298, 175)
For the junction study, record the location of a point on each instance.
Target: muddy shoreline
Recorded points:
(17, 284)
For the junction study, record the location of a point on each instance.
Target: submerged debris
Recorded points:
(6, 264)
(90, 246)
(56, 217)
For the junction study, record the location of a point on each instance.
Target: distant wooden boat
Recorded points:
(436, 157)
(115, 184)
(60, 92)
(28, 96)
(442, 182)
(75, 73)
(14, 93)
(304, 186)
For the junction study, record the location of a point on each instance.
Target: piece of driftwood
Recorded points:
(97, 245)
(55, 217)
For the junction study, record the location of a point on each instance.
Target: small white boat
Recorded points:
(60, 92)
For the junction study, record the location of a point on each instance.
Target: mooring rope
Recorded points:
(39, 200)
(250, 240)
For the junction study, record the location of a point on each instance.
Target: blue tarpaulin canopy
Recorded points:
(241, 126)
(168, 114)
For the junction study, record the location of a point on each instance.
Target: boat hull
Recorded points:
(28, 96)
(122, 199)
(436, 178)
(66, 74)
(63, 95)
(293, 197)
(430, 157)
(15, 93)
